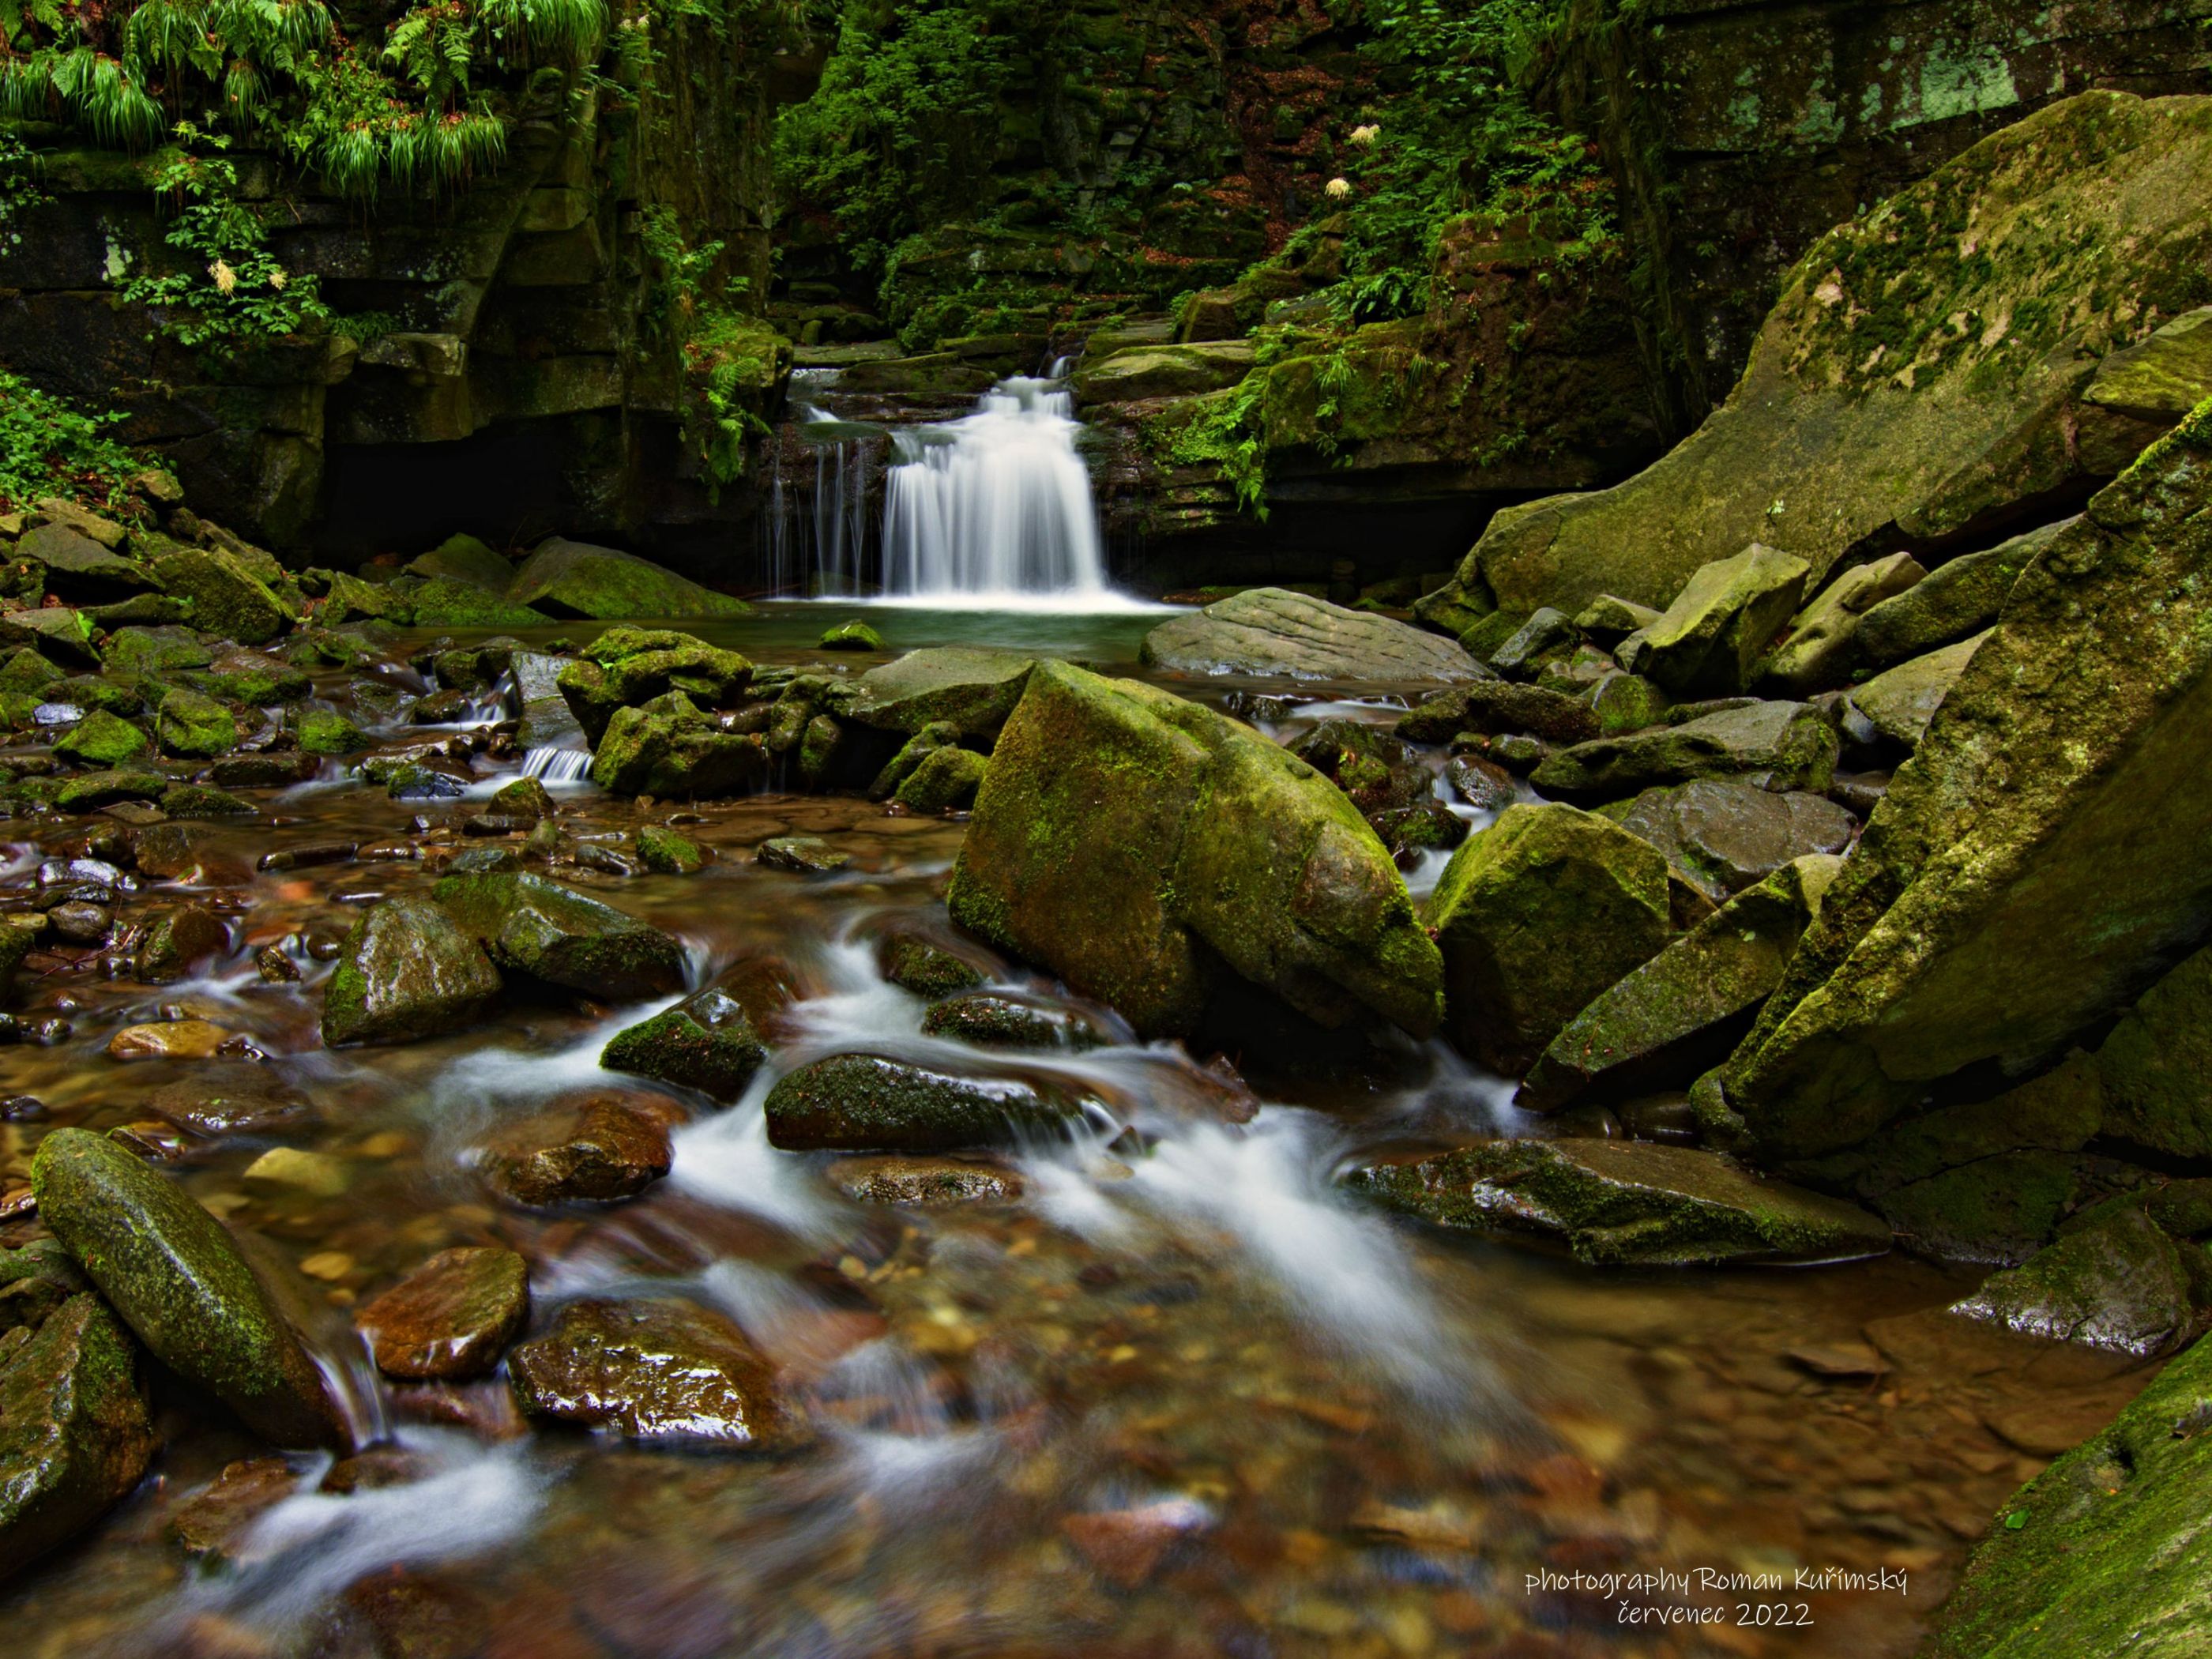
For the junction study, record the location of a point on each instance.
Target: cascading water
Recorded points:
(996, 506)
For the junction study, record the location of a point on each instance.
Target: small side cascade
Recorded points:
(817, 533)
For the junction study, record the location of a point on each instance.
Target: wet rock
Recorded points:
(103, 739)
(1498, 706)
(631, 666)
(175, 1039)
(265, 771)
(2116, 1282)
(452, 1318)
(671, 855)
(924, 1184)
(576, 579)
(671, 749)
(1537, 915)
(940, 734)
(868, 1103)
(544, 719)
(1823, 639)
(854, 635)
(193, 726)
(168, 1268)
(1374, 768)
(533, 925)
(406, 971)
(79, 921)
(1955, 601)
(252, 1105)
(1617, 1203)
(599, 1149)
(1136, 844)
(327, 732)
(705, 1042)
(997, 1021)
(1712, 636)
(195, 800)
(1999, 1208)
(74, 1437)
(1682, 1011)
(15, 944)
(1273, 631)
(914, 964)
(1408, 831)
(463, 558)
(946, 780)
(652, 1370)
(95, 790)
(175, 941)
(1482, 784)
(2054, 814)
(1898, 704)
(970, 688)
(1775, 745)
(1723, 836)
(807, 855)
(426, 780)
(211, 1523)
(524, 798)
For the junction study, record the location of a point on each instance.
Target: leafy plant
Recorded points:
(50, 447)
(231, 286)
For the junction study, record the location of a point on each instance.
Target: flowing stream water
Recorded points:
(1181, 1398)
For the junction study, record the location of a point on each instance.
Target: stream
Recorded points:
(1179, 1397)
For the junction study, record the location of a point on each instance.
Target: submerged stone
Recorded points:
(924, 1184)
(598, 1150)
(806, 855)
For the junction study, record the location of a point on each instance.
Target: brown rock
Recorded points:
(924, 1182)
(452, 1317)
(176, 1039)
(601, 1148)
(651, 1371)
(208, 1522)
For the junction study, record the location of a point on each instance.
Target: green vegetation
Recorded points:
(47, 447)
(231, 286)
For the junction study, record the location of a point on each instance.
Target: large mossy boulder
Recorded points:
(1536, 916)
(2039, 861)
(171, 1271)
(2116, 1280)
(671, 749)
(1774, 745)
(536, 926)
(1919, 373)
(970, 689)
(405, 971)
(229, 596)
(628, 667)
(576, 579)
(1710, 640)
(1271, 631)
(74, 1437)
(2100, 1553)
(2156, 1066)
(873, 1104)
(1138, 845)
(1617, 1203)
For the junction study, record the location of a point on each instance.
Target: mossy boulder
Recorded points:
(175, 940)
(2115, 1281)
(443, 603)
(1899, 702)
(704, 1043)
(154, 651)
(870, 1102)
(1721, 836)
(1500, 706)
(669, 748)
(1163, 371)
(576, 579)
(1617, 1203)
(1138, 845)
(103, 739)
(991, 1020)
(2038, 864)
(1272, 631)
(463, 558)
(1822, 643)
(663, 850)
(938, 734)
(946, 780)
(928, 970)
(75, 1436)
(1774, 745)
(628, 667)
(1953, 602)
(854, 635)
(1918, 373)
(1716, 631)
(227, 596)
(1681, 1011)
(2154, 1064)
(972, 689)
(97, 789)
(1537, 915)
(327, 732)
(405, 971)
(193, 726)
(171, 1272)
(539, 927)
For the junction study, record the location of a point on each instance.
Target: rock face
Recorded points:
(1686, 1008)
(168, 1268)
(1619, 1203)
(1136, 844)
(2154, 1064)
(869, 1104)
(1708, 641)
(2088, 1557)
(2116, 1281)
(1775, 746)
(1869, 410)
(2035, 865)
(651, 1371)
(1721, 836)
(1536, 915)
(1272, 631)
(575, 579)
(405, 971)
(450, 1319)
(539, 927)
(74, 1433)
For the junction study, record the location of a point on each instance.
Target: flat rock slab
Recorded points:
(450, 1319)
(870, 1102)
(1899, 702)
(1270, 631)
(971, 688)
(1625, 1203)
(1723, 836)
(1775, 745)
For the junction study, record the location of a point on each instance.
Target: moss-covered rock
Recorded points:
(405, 972)
(671, 748)
(175, 940)
(539, 927)
(97, 789)
(2154, 1064)
(1919, 373)
(1163, 371)
(575, 579)
(1136, 844)
(154, 651)
(854, 635)
(704, 1043)
(1623, 1203)
(103, 739)
(2116, 1281)
(1955, 601)
(1775, 746)
(523, 798)
(970, 688)
(2037, 865)
(1537, 915)
(1822, 642)
(1500, 706)
(74, 1437)
(168, 1268)
(869, 1102)
(327, 732)
(1274, 631)
(631, 666)
(946, 780)
(990, 1020)
(1716, 631)
(663, 850)
(928, 970)
(227, 597)
(803, 855)
(938, 734)
(442, 603)
(463, 558)
(194, 726)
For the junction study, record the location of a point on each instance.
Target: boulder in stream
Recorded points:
(671, 748)
(704, 1043)
(874, 1103)
(451, 1318)
(652, 1370)
(175, 1277)
(598, 1150)
(577, 578)
(970, 689)
(2114, 1280)
(534, 926)
(1775, 746)
(1711, 638)
(405, 971)
(1272, 631)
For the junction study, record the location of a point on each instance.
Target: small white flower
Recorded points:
(277, 278)
(1366, 135)
(225, 279)
(1337, 189)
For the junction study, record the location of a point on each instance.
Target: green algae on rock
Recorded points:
(1777, 745)
(858, 1103)
(1623, 1203)
(576, 579)
(2116, 1280)
(972, 689)
(2154, 1064)
(704, 1043)
(663, 850)
(405, 971)
(1137, 844)
(535, 926)
(173, 1274)
(1713, 636)
(669, 748)
(194, 726)
(947, 779)
(103, 739)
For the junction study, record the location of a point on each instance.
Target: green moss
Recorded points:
(103, 739)
(194, 726)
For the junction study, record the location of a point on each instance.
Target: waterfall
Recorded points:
(995, 505)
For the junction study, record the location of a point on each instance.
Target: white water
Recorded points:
(996, 506)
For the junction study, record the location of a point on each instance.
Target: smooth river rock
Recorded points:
(406, 970)
(451, 1318)
(537, 927)
(1271, 631)
(874, 1103)
(652, 1370)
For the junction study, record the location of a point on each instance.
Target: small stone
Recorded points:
(175, 941)
(450, 1319)
(924, 1182)
(915, 964)
(869, 1102)
(668, 852)
(994, 1021)
(854, 635)
(176, 1039)
(705, 1042)
(651, 1371)
(601, 1149)
(210, 1522)
(290, 1169)
(255, 1105)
